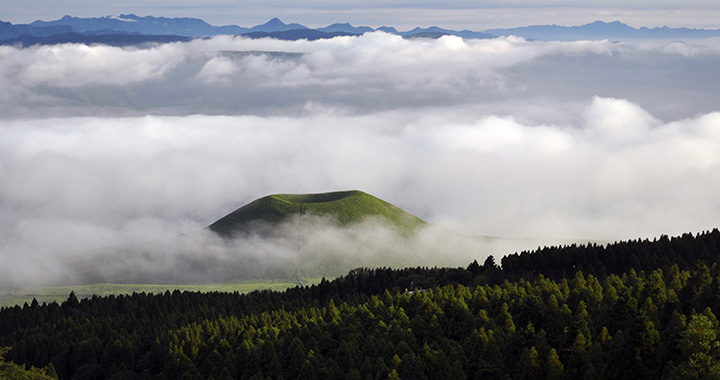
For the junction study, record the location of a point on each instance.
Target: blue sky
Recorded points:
(468, 14)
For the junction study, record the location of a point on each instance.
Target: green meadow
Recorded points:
(346, 207)
(9, 298)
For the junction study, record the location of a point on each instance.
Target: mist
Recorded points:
(237, 76)
(113, 161)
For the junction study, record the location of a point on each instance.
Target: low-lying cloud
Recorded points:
(113, 161)
(129, 197)
(234, 75)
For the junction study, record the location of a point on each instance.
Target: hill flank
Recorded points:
(345, 207)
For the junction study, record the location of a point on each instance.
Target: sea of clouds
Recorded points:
(113, 160)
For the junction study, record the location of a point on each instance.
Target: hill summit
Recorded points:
(344, 207)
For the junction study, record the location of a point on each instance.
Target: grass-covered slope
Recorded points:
(345, 207)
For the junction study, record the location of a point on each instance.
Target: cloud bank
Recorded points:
(130, 192)
(232, 76)
(112, 161)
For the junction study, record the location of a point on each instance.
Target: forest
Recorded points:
(642, 309)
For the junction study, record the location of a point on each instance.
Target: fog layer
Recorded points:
(377, 71)
(113, 161)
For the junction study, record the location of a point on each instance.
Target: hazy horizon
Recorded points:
(399, 13)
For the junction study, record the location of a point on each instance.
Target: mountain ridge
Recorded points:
(276, 28)
(601, 30)
(182, 26)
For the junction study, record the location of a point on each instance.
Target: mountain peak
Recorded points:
(275, 21)
(276, 25)
(345, 27)
(388, 29)
(613, 24)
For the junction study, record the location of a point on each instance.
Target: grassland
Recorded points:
(345, 207)
(60, 293)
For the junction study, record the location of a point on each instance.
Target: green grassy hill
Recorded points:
(346, 207)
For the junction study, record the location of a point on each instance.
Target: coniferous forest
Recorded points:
(643, 309)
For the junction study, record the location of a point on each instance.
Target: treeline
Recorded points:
(463, 323)
(601, 260)
(554, 263)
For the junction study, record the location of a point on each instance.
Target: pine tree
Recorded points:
(555, 368)
(700, 350)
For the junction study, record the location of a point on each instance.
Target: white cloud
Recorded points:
(504, 137)
(230, 75)
(75, 65)
(375, 57)
(216, 70)
(76, 189)
(618, 120)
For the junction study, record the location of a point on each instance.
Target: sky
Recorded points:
(405, 15)
(114, 160)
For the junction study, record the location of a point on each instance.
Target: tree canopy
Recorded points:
(506, 322)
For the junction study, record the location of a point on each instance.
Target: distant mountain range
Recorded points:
(137, 30)
(601, 30)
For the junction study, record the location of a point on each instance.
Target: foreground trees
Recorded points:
(12, 371)
(472, 323)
